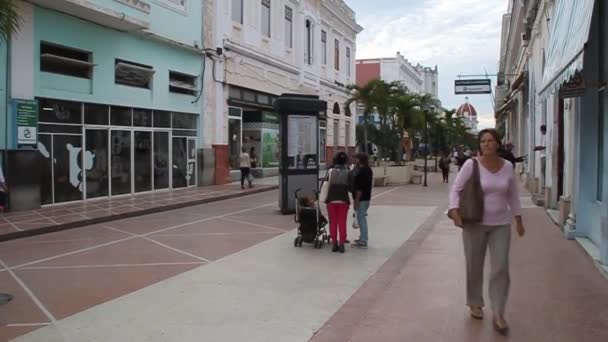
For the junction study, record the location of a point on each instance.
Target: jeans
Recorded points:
(362, 220)
(245, 175)
(337, 221)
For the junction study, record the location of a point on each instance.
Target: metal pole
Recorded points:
(426, 145)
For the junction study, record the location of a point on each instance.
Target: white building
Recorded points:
(417, 78)
(270, 47)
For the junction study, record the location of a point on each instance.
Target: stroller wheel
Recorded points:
(296, 242)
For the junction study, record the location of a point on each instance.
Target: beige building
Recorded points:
(260, 49)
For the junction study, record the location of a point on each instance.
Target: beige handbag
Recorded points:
(471, 198)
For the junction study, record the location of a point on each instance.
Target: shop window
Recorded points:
(266, 18)
(95, 114)
(248, 96)
(120, 116)
(65, 112)
(184, 121)
(162, 119)
(133, 74)
(234, 93)
(66, 61)
(237, 11)
(142, 117)
(182, 83)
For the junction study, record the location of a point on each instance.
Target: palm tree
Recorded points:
(10, 20)
(363, 97)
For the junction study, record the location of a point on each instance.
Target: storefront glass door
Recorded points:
(120, 158)
(97, 176)
(142, 160)
(180, 162)
(161, 160)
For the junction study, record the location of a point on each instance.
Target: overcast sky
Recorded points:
(459, 36)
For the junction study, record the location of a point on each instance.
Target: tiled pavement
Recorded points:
(557, 294)
(416, 295)
(60, 217)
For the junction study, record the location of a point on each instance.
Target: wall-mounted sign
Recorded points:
(479, 86)
(25, 113)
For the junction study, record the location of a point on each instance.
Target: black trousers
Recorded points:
(245, 175)
(446, 175)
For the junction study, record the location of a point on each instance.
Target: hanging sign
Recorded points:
(479, 86)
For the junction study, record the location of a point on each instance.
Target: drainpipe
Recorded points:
(7, 100)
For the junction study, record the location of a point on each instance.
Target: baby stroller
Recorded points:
(311, 222)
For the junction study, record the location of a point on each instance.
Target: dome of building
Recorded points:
(466, 109)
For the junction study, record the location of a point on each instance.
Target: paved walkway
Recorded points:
(228, 271)
(64, 216)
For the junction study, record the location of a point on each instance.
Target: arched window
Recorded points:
(336, 108)
(347, 111)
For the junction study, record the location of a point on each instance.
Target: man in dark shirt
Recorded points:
(362, 195)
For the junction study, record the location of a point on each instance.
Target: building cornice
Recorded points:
(260, 57)
(337, 6)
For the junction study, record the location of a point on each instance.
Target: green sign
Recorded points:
(270, 117)
(26, 120)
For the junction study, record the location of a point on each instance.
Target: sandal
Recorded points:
(503, 330)
(476, 312)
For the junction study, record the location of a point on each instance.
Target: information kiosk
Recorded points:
(299, 147)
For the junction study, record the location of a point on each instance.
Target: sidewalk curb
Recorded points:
(87, 222)
(341, 324)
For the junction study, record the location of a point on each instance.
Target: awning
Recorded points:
(569, 34)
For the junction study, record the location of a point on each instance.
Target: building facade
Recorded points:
(552, 104)
(116, 94)
(417, 78)
(259, 50)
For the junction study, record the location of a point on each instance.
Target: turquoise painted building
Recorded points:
(118, 86)
(592, 206)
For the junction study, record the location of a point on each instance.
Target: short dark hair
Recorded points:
(341, 158)
(363, 158)
(493, 133)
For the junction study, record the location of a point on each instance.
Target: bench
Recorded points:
(416, 178)
(380, 180)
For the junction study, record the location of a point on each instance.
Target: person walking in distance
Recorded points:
(500, 205)
(338, 200)
(444, 165)
(362, 195)
(245, 165)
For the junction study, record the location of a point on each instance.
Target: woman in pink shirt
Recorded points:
(501, 204)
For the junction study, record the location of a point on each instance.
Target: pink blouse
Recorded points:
(500, 193)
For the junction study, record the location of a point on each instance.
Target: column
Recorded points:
(569, 228)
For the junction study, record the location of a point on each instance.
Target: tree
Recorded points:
(364, 98)
(10, 20)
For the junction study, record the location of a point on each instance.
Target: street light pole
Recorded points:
(426, 145)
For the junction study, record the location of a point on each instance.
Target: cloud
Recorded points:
(460, 36)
